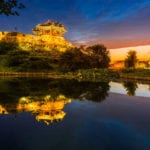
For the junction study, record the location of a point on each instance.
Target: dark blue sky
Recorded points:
(115, 23)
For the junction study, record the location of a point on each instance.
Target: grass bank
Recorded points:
(135, 74)
(83, 74)
(87, 74)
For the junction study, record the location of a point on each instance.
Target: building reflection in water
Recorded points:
(47, 101)
(3, 110)
(46, 110)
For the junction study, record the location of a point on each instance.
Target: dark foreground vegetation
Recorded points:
(12, 58)
(91, 63)
(27, 87)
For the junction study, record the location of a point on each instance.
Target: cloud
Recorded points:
(113, 22)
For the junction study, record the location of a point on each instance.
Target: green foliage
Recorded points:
(10, 7)
(4, 64)
(136, 72)
(100, 56)
(24, 61)
(96, 74)
(73, 59)
(17, 57)
(53, 60)
(131, 60)
(5, 47)
(53, 54)
(130, 87)
(35, 64)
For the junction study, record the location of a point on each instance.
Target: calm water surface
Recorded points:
(45, 114)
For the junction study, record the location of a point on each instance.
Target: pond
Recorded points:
(44, 114)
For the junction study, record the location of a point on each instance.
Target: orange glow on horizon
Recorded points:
(143, 53)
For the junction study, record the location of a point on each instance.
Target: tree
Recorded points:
(130, 87)
(73, 59)
(131, 59)
(10, 7)
(99, 57)
(6, 47)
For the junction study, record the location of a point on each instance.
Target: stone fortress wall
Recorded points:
(46, 36)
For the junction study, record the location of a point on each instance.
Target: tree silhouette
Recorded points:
(10, 7)
(73, 59)
(100, 56)
(131, 60)
(12, 89)
(130, 87)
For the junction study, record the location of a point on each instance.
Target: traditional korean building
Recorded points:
(49, 28)
(45, 36)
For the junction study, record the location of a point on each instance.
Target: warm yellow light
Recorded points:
(47, 35)
(46, 110)
(3, 110)
(143, 53)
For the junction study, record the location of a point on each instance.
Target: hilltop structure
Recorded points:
(46, 36)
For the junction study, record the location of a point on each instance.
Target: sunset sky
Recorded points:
(143, 53)
(115, 23)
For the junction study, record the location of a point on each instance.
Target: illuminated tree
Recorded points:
(10, 7)
(131, 60)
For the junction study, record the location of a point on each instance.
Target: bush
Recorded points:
(35, 64)
(24, 61)
(73, 59)
(100, 56)
(96, 74)
(136, 72)
(5, 47)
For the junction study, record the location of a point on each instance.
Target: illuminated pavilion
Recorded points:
(47, 35)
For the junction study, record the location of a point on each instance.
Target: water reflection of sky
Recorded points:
(67, 114)
(141, 90)
(120, 123)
